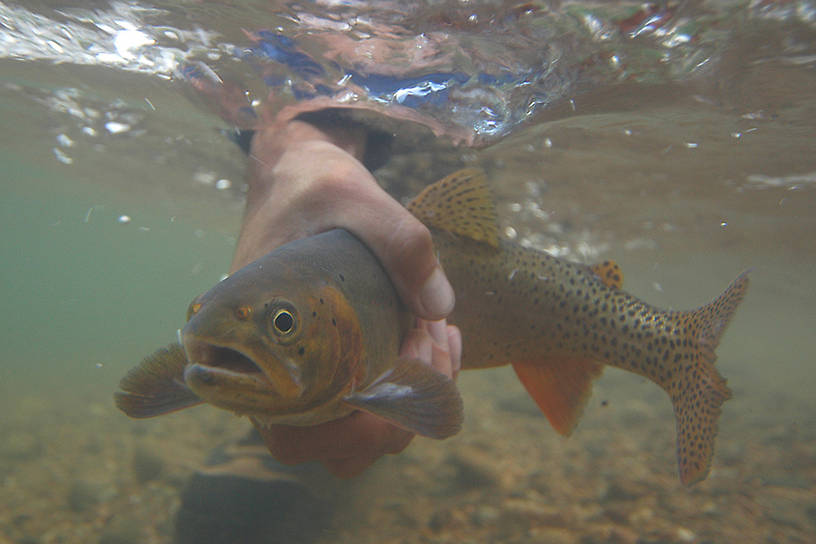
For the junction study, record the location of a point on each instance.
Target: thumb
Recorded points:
(319, 187)
(405, 248)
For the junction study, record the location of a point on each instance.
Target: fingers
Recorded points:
(359, 436)
(455, 345)
(436, 343)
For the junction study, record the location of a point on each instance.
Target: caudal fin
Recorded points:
(699, 390)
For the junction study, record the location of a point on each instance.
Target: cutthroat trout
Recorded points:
(311, 332)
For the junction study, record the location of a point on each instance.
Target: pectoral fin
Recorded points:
(156, 386)
(415, 397)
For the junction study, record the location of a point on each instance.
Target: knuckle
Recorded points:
(336, 185)
(411, 242)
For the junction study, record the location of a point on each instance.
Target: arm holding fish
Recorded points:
(305, 180)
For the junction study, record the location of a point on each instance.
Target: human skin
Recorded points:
(304, 180)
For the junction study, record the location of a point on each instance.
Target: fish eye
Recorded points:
(283, 322)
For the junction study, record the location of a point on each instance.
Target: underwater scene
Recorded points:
(674, 140)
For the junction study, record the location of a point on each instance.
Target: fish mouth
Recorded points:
(219, 371)
(224, 374)
(221, 358)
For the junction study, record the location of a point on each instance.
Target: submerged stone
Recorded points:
(146, 465)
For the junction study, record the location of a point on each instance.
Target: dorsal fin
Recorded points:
(459, 203)
(609, 273)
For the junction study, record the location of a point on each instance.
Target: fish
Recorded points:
(306, 334)
(310, 333)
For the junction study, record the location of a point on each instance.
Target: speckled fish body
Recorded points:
(557, 323)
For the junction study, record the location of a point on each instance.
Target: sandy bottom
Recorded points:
(75, 471)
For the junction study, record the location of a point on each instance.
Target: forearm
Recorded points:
(286, 163)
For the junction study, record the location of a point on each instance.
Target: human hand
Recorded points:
(303, 181)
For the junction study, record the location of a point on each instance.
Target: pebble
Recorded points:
(610, 535)
(641, 516)
(440, 519)
(784, 511)
(533, 512)
(146, 465)
(540, 480)
(785, 479)
(485, 515)
(551, 536)
(218, 509)
(621, 491)
(84, 495)
(685, 535)
(475, 467)
(123, 530)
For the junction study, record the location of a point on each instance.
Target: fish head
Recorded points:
(272, 343)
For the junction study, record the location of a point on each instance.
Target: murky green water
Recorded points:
(685, 184)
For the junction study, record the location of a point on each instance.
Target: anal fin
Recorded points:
(415, 397)
(560, 387)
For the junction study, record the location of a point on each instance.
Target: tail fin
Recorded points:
(699, 391)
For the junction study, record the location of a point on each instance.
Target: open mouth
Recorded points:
(214, 369)
(221, 358)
